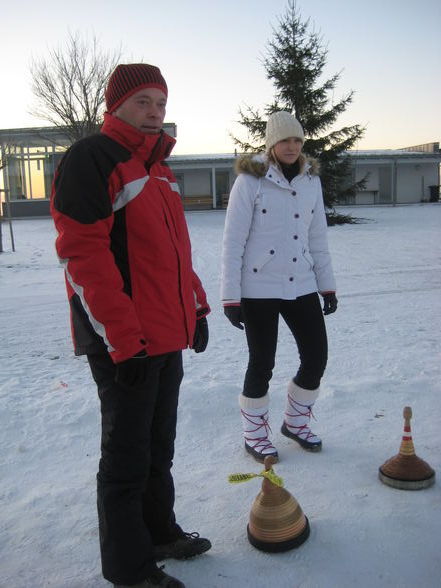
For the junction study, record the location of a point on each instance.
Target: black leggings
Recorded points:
(304, 318)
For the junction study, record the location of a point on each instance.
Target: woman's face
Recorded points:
(288, 150)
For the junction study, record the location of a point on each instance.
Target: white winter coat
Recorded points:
(275, 238)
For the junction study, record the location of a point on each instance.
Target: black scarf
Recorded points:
(290, 170)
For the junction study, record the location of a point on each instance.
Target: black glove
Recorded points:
(234, 315)
(200, 339)
(329, 303)
(132, 373)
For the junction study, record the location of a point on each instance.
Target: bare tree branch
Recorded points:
(69, 85)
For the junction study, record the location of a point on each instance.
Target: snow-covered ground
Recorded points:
(384, 355)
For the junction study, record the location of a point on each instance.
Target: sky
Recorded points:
(211, 56)
(384, 354)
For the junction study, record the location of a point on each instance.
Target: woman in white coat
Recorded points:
(275, 260)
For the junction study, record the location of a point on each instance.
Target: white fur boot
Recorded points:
(297, 416)
(254, 413)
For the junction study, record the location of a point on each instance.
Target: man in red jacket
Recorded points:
(135, 303)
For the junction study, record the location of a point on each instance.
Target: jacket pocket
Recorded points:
(308, 258)
(257, 264)
(260, 210)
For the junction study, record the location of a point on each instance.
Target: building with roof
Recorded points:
(400, 176)
(29, 157)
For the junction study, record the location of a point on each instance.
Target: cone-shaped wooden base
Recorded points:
(277, 522)
(406, 472)
(278, 547)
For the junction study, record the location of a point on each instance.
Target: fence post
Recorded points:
(11, 231)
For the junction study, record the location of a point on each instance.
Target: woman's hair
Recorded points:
(272, 157)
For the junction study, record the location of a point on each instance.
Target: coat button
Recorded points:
(291, 279)
(293, 192)
(294, 259)
(254, 269)
(295, 237)
(270, 176)
(264, 211)
(312, 211)
(272, 251)
(296, 215)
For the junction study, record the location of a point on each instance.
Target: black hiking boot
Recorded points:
(185, 546)
(156, 578)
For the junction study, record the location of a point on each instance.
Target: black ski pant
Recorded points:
(304, 318)
(134, 482)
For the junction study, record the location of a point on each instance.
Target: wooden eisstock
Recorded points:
(277, 522)
(406, 471)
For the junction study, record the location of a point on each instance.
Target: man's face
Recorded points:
(144, 110)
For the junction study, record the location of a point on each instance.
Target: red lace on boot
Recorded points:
(259, 444)
(302, 431)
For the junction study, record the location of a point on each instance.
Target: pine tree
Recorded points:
(294, 62)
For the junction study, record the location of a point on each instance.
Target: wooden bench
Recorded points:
(197, 202)
(225, 198)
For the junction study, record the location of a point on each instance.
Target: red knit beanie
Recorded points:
(128, 79)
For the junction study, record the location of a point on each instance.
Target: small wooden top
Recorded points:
(269, 462)
(407, 413)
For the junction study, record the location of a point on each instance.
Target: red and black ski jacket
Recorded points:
(124, 243)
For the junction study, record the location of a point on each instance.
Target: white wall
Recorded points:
(369, 194)
(431, 177)
(413, 181)
(197, 182)
(372, 182)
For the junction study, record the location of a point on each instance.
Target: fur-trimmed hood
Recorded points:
(258, 164)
